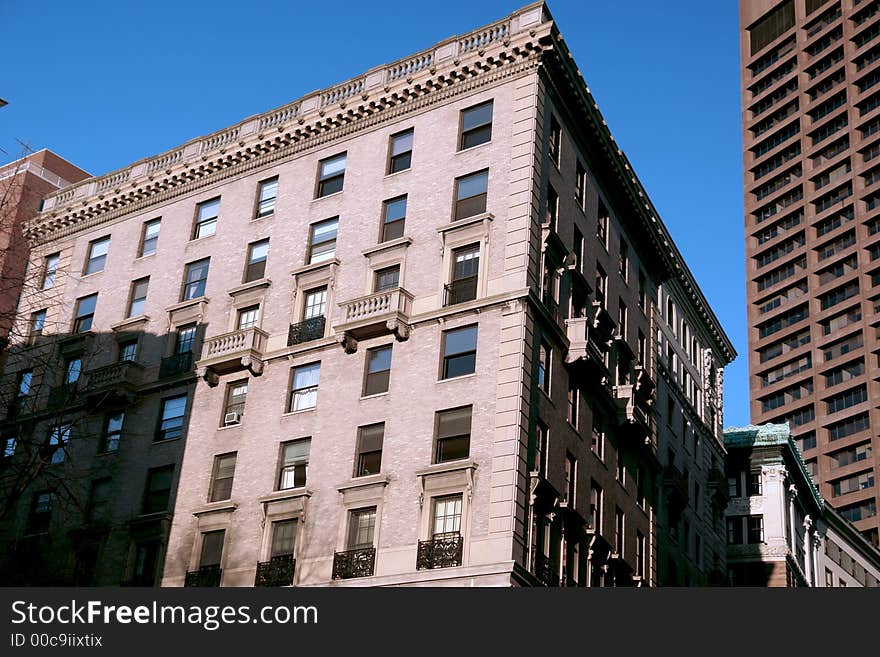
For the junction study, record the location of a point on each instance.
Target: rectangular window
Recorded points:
(459, 352)
(322, 240)
(150, 237)
(544, 364)
(447, 516)
(596, 508)
(580, 194)
(601, 284)
(598, 436)
(369, 450)
(555, 146)
(619, 528)
(386, 279)
(578, 249)
(476, 125)
(400, 151)
(72, 369)
(138, 299)
(570, 484)
(735, 530)
(40, 513)
(304, 388)
(248, 317)
(393, 218)
(315, 303)
(552, 208)
(453, 429)
(621, 318)
(185, 339)
(206, 218)
(25, 381)
(640, 554)
(58, 441)
(195, 279)
(294, 464)
(283, 538)
(754, 484)
(756, 529)
(465, 273)
(602, 225)
(377, 376)
(171, 421)
(112, 432)
(85, 313)
(97, 256)
(268, 192)
(50, 268)
(258, 252)
(157, 491)
(212, 548)
(331, 175)
(470, 194)
(128, 351)
(236, 396)
(573, 402)
(361, 527)
(221, 481)
(38, 323)
(542, 440)
(623, 260)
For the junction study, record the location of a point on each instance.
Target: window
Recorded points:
(555, 146)
(40, 513)
(99, 500)
(580, 194)
(447, 516)
(157, 492)
(578, 249)
(143, 571)
(601, 284)
(621, 318)
(112, 433)
(322, 240)
(602, 224)
(756, 529)
(476, 125)
(38, 323)
(85, 313)
(315, 303)
(544, 364)
(754, 484)
(620, 473)
(378, 372)
(255, 269)
(459, 352)
(393, 218)
(50, 268)
(331, 174)
(361, 527)
(128, 351)
(465, 272)
(570, 487)
(97, 256)
(150, 237)
(25, 380)
(640, 554)
(369, 450)
(595, 519)
(542, 440)
(171, 421)
(206, 218)
(233, 409)
(552, 208)
(185, 339)
(598, 436)
(619, 527)
(304, 389)
(623, 260)
(283, 538)
(9, 445)
(735, 530)
(221, 481)
(400, 151)
(573, 399)
(857, 482)
(267, 193)
(247, 317)
(453, 434)
(212, 548)
(138, 299)
(72, 369)
(470, 194)
(387, 279)
(294, 463)
(195, 278)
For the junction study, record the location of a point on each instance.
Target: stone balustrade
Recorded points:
(380, 303)
(235, 342)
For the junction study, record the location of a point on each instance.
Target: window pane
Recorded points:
(476, 116)
(86, 305)
(402, 143)
(387, 279)
(473, 185)
(461, 340)
(333, 166)
(209, 209)
(361, 527)
(283, 537)
(395, 209)
(315, 303)
(212, 548)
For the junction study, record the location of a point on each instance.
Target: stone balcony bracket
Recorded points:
(233, 351)
(380, 313)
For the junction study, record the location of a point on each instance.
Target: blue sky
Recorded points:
(107, 83)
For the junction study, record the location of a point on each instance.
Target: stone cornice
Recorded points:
(456, 66)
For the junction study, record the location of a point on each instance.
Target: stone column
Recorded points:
(808, 550)
(792, 494)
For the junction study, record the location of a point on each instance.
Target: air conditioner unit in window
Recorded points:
(231, 418)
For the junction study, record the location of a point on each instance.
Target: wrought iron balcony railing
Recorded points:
(204, 576)
(544, 571)
(440, 552)
(278, 571)
(176, 364)
(306, 331)
(354, 563)
(459, 291)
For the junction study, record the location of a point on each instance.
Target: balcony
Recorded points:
(278, 571)
(116, 382)
(376, 314)
(719, 491)
(232, 352)
(544, 571)
(460, 291)
(176, 365)
(440, 552)
(63, 395)
(204, 576)
(589, 341)
(310, 329)
(354, 563)
(676, 486)
(634, 403)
